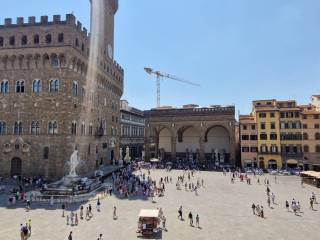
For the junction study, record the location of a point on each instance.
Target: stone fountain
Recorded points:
(72, 183)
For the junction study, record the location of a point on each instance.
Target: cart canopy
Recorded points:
(149, 213)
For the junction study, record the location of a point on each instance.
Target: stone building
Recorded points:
(310, 120)
(288, 135)
(132, 130)
(191, 134)
(249, 141)
(54, 98)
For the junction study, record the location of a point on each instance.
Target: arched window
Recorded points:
(36, 39)
(90, 129)
(36, 86)
(3, 128)
(74, 128)
(48, 38)
(305, 136)
(24, 40)
(60, 38)
(317, 136)
(4, 87)
(53, 127)
(318, 148)
(12, 41)
(77, 42)
(20, 86)
(83, 129)
(17, 130)
(55, 62)
(54, 85)
(306, 148)
(35, 128)
(105, 129)
(74, 88)
(82, 47)
(1, 41)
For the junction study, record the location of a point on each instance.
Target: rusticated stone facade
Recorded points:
(191, 134)
(44, 92)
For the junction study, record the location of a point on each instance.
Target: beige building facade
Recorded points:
(52, 101)
(249, 141)
(310, 120)
(288, 135)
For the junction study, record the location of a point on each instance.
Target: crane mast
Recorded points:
(160, 75)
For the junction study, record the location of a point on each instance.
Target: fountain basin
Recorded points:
(72, 186)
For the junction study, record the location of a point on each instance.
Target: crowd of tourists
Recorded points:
(134, 182)
(257, 209)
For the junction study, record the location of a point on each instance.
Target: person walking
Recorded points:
(81, 212)
(70, 236)
(269, 201)
(29, 227)
(87, 213)
(261, 212)
(63, 207)
(76, 220)
(98, 205)
(164, 223)
(273, 197)
(287, 206)
(311, 203)
(180, 213)
(100, 237)
(191, 218)
(21, 232)
(197, 221)
(115, 213)
(253, 206)
(90, 211)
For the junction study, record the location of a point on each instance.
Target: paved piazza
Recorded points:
(224, 210)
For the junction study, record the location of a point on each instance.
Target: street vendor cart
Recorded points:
(149, 220)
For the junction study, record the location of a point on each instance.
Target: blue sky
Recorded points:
(238, 50)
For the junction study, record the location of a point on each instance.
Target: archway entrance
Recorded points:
(16, 167)
(292, 163)
(217, 144)
(188, 144)
(272, 164)
(164, 147)
(112, 155)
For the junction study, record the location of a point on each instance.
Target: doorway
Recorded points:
(16, 167)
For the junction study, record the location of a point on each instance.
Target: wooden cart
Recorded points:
(149, 221)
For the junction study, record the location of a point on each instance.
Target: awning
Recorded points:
(149, 213)
(248, 161)
(311, 174)
(154, 160)
(292, 161)
(272, 162)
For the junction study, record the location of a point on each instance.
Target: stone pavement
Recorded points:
(224, 210)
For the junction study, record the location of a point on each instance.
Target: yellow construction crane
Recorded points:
(160, 75)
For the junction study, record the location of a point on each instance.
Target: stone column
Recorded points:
(156, 142)
(174, 146)
(232, 149)
(202, 149)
